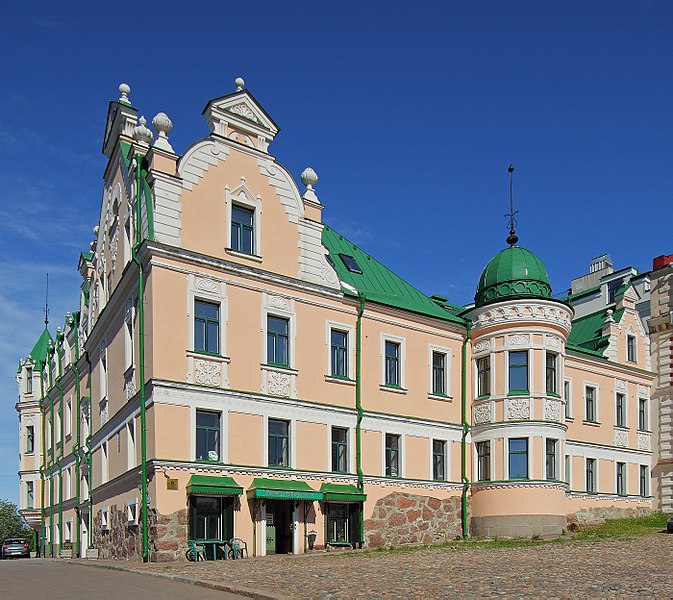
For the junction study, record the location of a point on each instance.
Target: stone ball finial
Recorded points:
(141, 133)
(162, 124)
(124, 90)
(239, 82)
(309, 177)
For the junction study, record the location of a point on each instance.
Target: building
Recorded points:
(238, 368)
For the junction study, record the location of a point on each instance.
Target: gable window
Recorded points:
(439, 373)
(568, 399)
(644, 478)
(551, 374)
(30, 439)
(279, 443)
(518, 371)
(29, 381)
(392, 350)
(277, 341)
(207, 435)
(339, 450)
(392, 455)
(518, 458)
(439, 460)
(339, 353)
(631, 348)
(591, 475)
(590, 403)
(643, 424)
(484, 376)
(620, 407)
(484, 461)
(206, 327)
(551, 460)
(621, 479)
(242, 229)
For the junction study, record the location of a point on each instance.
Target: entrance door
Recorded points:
(84, 534)
(279, 527)
(270, 528)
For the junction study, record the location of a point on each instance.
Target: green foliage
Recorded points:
(649, 523)
(12, 524)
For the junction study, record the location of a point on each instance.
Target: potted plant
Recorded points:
(66, 550)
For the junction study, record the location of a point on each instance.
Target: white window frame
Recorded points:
(349, 439)
(242, 196)
(131, 459)
(67, 535)
(557, 451)
(105, 519)
(529, 364)
(647, 413)
(624, 478)
(288, 313)
(350, 331)
(132, 513)
(529, 454)
(596, 478)
(491, 457)
(401, 455)
(57, 424)
(568, 414)
(447, 462)
(634, 337)
(597, 403)
(105, 462)
(67, 483)
(129, 341)
(402, 341)
(103, 371)
(647, 481)
(626, 408)
(567, 469)
(292, 439)
(68, 417)
(432, 348)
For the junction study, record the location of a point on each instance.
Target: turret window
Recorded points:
(484, 376)
(551, 373)
(518, 371)
(518, 458)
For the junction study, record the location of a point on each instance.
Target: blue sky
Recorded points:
(409, 113)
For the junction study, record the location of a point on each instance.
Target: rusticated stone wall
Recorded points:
(595, 516)
(401, 518)
(170, 536)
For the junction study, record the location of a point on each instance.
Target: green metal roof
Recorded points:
(337, 492)
(213, 486)
(513, 272)
(587, 332)
(377, 282)
(39, 351)
(572, 297)
(282, 489)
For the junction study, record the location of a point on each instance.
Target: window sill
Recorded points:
(208, 462)
(29, 453)
(592, 423)
(204, 354)
(518, 393)
(128, 372)
(482, 397)
(644, 431)
(239, 254)
(392, 388)
(279, 368)
(440, 397)
(341, 380)
(554, 395)
(622, 427)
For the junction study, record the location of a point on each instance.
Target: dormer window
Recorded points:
(29, 381)
(631, 348)
(242, 229)
(351, 264)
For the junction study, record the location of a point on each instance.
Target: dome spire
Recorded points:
(512, 239)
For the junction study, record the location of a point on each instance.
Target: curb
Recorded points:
(257, 595)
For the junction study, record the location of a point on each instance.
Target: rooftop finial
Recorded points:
(239, 82)
(512, 239)
(124, 90)
(141, 133)
(46, 304)
(163, 125)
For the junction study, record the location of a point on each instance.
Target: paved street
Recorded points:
(55, 580)
(640, 567)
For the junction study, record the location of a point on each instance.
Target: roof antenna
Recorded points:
(46, 304)
(512, 239)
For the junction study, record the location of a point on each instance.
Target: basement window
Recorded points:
(351, 264)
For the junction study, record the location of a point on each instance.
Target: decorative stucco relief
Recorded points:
(278, 302)
(525, 312)
(482, 346)
(520, 339)
(207, 372)
(644, 441)
(518, 409)
(482, 414)
(208, 286)
(621, 438)
(278, 384)
(552, 410)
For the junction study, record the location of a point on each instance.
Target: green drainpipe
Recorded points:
(43, 547)
(87, 455)
(74, 322)
(466, 429)
(50, 376)
(358, 406)
(141, 356)
(59, 352)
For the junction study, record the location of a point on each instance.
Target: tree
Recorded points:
(11, 522)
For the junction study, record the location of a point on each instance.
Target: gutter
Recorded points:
(466, 429)
(50, 353)
(87, 454)
(59, 351)
(44, 460)
(358, 407)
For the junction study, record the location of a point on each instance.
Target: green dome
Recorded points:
(512, 273)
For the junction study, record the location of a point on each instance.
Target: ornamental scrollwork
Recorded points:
(482, 346)
(518, 409)
(520, 339)
(482, 414)
(278, 302)
(644, 441)
(278, 384)
(207, 373)
(552, 410)
(621, 438)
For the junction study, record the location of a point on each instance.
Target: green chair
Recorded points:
(237, 548)
(196, 551)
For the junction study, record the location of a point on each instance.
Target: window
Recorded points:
(102, 373)
(590, 403)
(351, 264)
(242, 229)
(206, 327)
(484, 376)
(439, 374)
(631, 348)
(130, 444)
(30, 439)
(57, 425)
(68, 531)
(339, 450)
(644, 479)
(132, 513)
(392, 455)
(392, 364)
(68, 417)
(50, 433)
(104, 523)
(29, 381)
(568, 399)
(643, 424)
(568, 477)
(207, 517)
(337, 523)
(277, 341)
(620, 406)
(85, 487)
(105, 466)
(439, 460)
(551, 452)
(128, 343)
(551, 374)
(279, 443)
(518, 458)
(339, 353)
(30, 495)
(66, 484)
(591, 475)
(621, 479)
(207, 435)
(518, 371)
(484, 461)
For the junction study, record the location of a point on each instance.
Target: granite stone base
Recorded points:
(518, 526)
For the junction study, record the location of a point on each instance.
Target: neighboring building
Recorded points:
(238, 368)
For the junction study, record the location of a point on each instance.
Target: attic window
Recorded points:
(351, 264)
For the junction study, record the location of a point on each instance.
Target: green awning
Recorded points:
(335, 492)
(282, 489)
(213, 486)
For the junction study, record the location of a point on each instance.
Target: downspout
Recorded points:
(43, 546)
(74, 322)
(466, 429)
(358, 407)
(59, 353)
(87, 454)
(50, 376)
(141, 357)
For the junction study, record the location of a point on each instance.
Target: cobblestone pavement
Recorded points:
(638, 567)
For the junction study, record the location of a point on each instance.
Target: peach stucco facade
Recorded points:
(289, 406)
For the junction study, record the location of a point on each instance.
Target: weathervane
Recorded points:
(512, 238)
